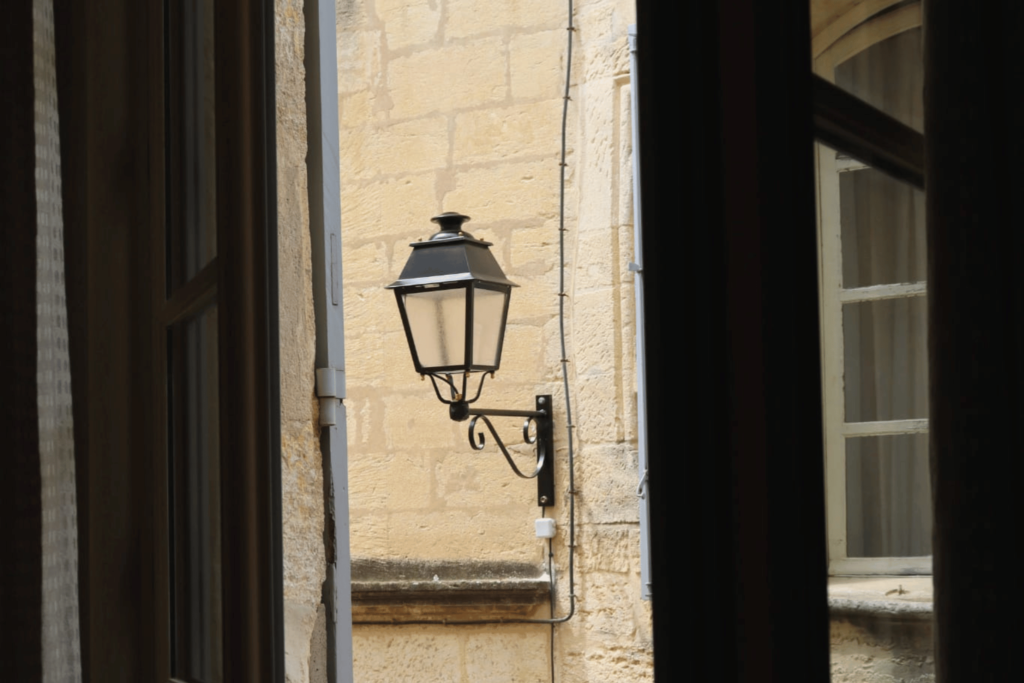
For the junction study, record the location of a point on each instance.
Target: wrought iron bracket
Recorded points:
(544, 438)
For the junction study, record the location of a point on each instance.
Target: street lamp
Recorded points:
(453, 298)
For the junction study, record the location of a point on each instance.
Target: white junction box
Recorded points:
(545, 527)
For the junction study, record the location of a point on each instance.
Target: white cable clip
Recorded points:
(640, 493)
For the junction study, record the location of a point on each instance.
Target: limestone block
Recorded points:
(626, 254)
(359, 60)
(503, 531)
(611, 548)
(597, 346)
(599, 178)
(364, 413)
(412, 423)
(608, 477)
(535, 301)
(402, 205)
(449, 78)
(408, 22)
(606, 59)
(625, 154)
(599, 260)
(390, 655)
(407, 481)
(598, 413)
(399, 372)
(368, 485)
(318, 647)
(302, 511)
(600, 22)
(368, 534)
(520, 355)
(411, 201)
(355, 109)
(366, 264)
(510, 190)
(605, 662)
(882, 649)
(609, 606)
(488, 135)
(533, 244)
(350, 15)
(365, 360)
(466, 19)
(537, 64)
(299, 619)
(523, 657)
(372, 306)
(470, 480)
(396, 149)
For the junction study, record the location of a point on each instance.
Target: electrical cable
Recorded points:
(569, 426)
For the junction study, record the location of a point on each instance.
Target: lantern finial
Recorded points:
(450, 222)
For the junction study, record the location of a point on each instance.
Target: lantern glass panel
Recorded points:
(437, 322)
(488, 316)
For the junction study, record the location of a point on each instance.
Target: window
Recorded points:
(872, 258)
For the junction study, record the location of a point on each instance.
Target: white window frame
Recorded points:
(834, 295)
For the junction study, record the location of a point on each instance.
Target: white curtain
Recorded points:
(885, 342)
(60, 633)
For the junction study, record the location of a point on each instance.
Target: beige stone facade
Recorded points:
(452, 105)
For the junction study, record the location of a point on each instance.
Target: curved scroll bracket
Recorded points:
(544, 472)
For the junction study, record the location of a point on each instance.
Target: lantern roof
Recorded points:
(451, 255)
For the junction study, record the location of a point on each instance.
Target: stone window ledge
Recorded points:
(878, 633)
(900, 598)
(410, 589)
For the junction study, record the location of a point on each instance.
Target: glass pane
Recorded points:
(882, 228)
(888, 496)
(488, 313)
(192, 142)
(195, 518)
(886, 359)
(437, 319)
(889, 75)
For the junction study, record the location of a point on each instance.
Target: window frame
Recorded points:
(870, 138)
(242, 280)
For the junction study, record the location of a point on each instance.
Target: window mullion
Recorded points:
(832, 351)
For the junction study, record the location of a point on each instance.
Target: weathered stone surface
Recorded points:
(537, 65)
(318, 647)
(608, 479)
(409, 22)
(383, 654)
(415, 589)
(503, 657)
(301, 470)
(518, 189)
(359, 60)
(447, 107)
(486, 135)
(882, 649)
(449, 78)
(376, 150)
(466, 19)
(299, 620)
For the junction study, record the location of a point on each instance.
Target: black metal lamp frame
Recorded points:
(459, 409)
(452, 259)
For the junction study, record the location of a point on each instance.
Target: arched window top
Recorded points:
(841, 29)
(873, 50)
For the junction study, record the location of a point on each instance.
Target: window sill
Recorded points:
(401, 590)
(900, 598)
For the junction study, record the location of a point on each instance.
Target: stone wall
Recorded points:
(301, 466)
(453, 105)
